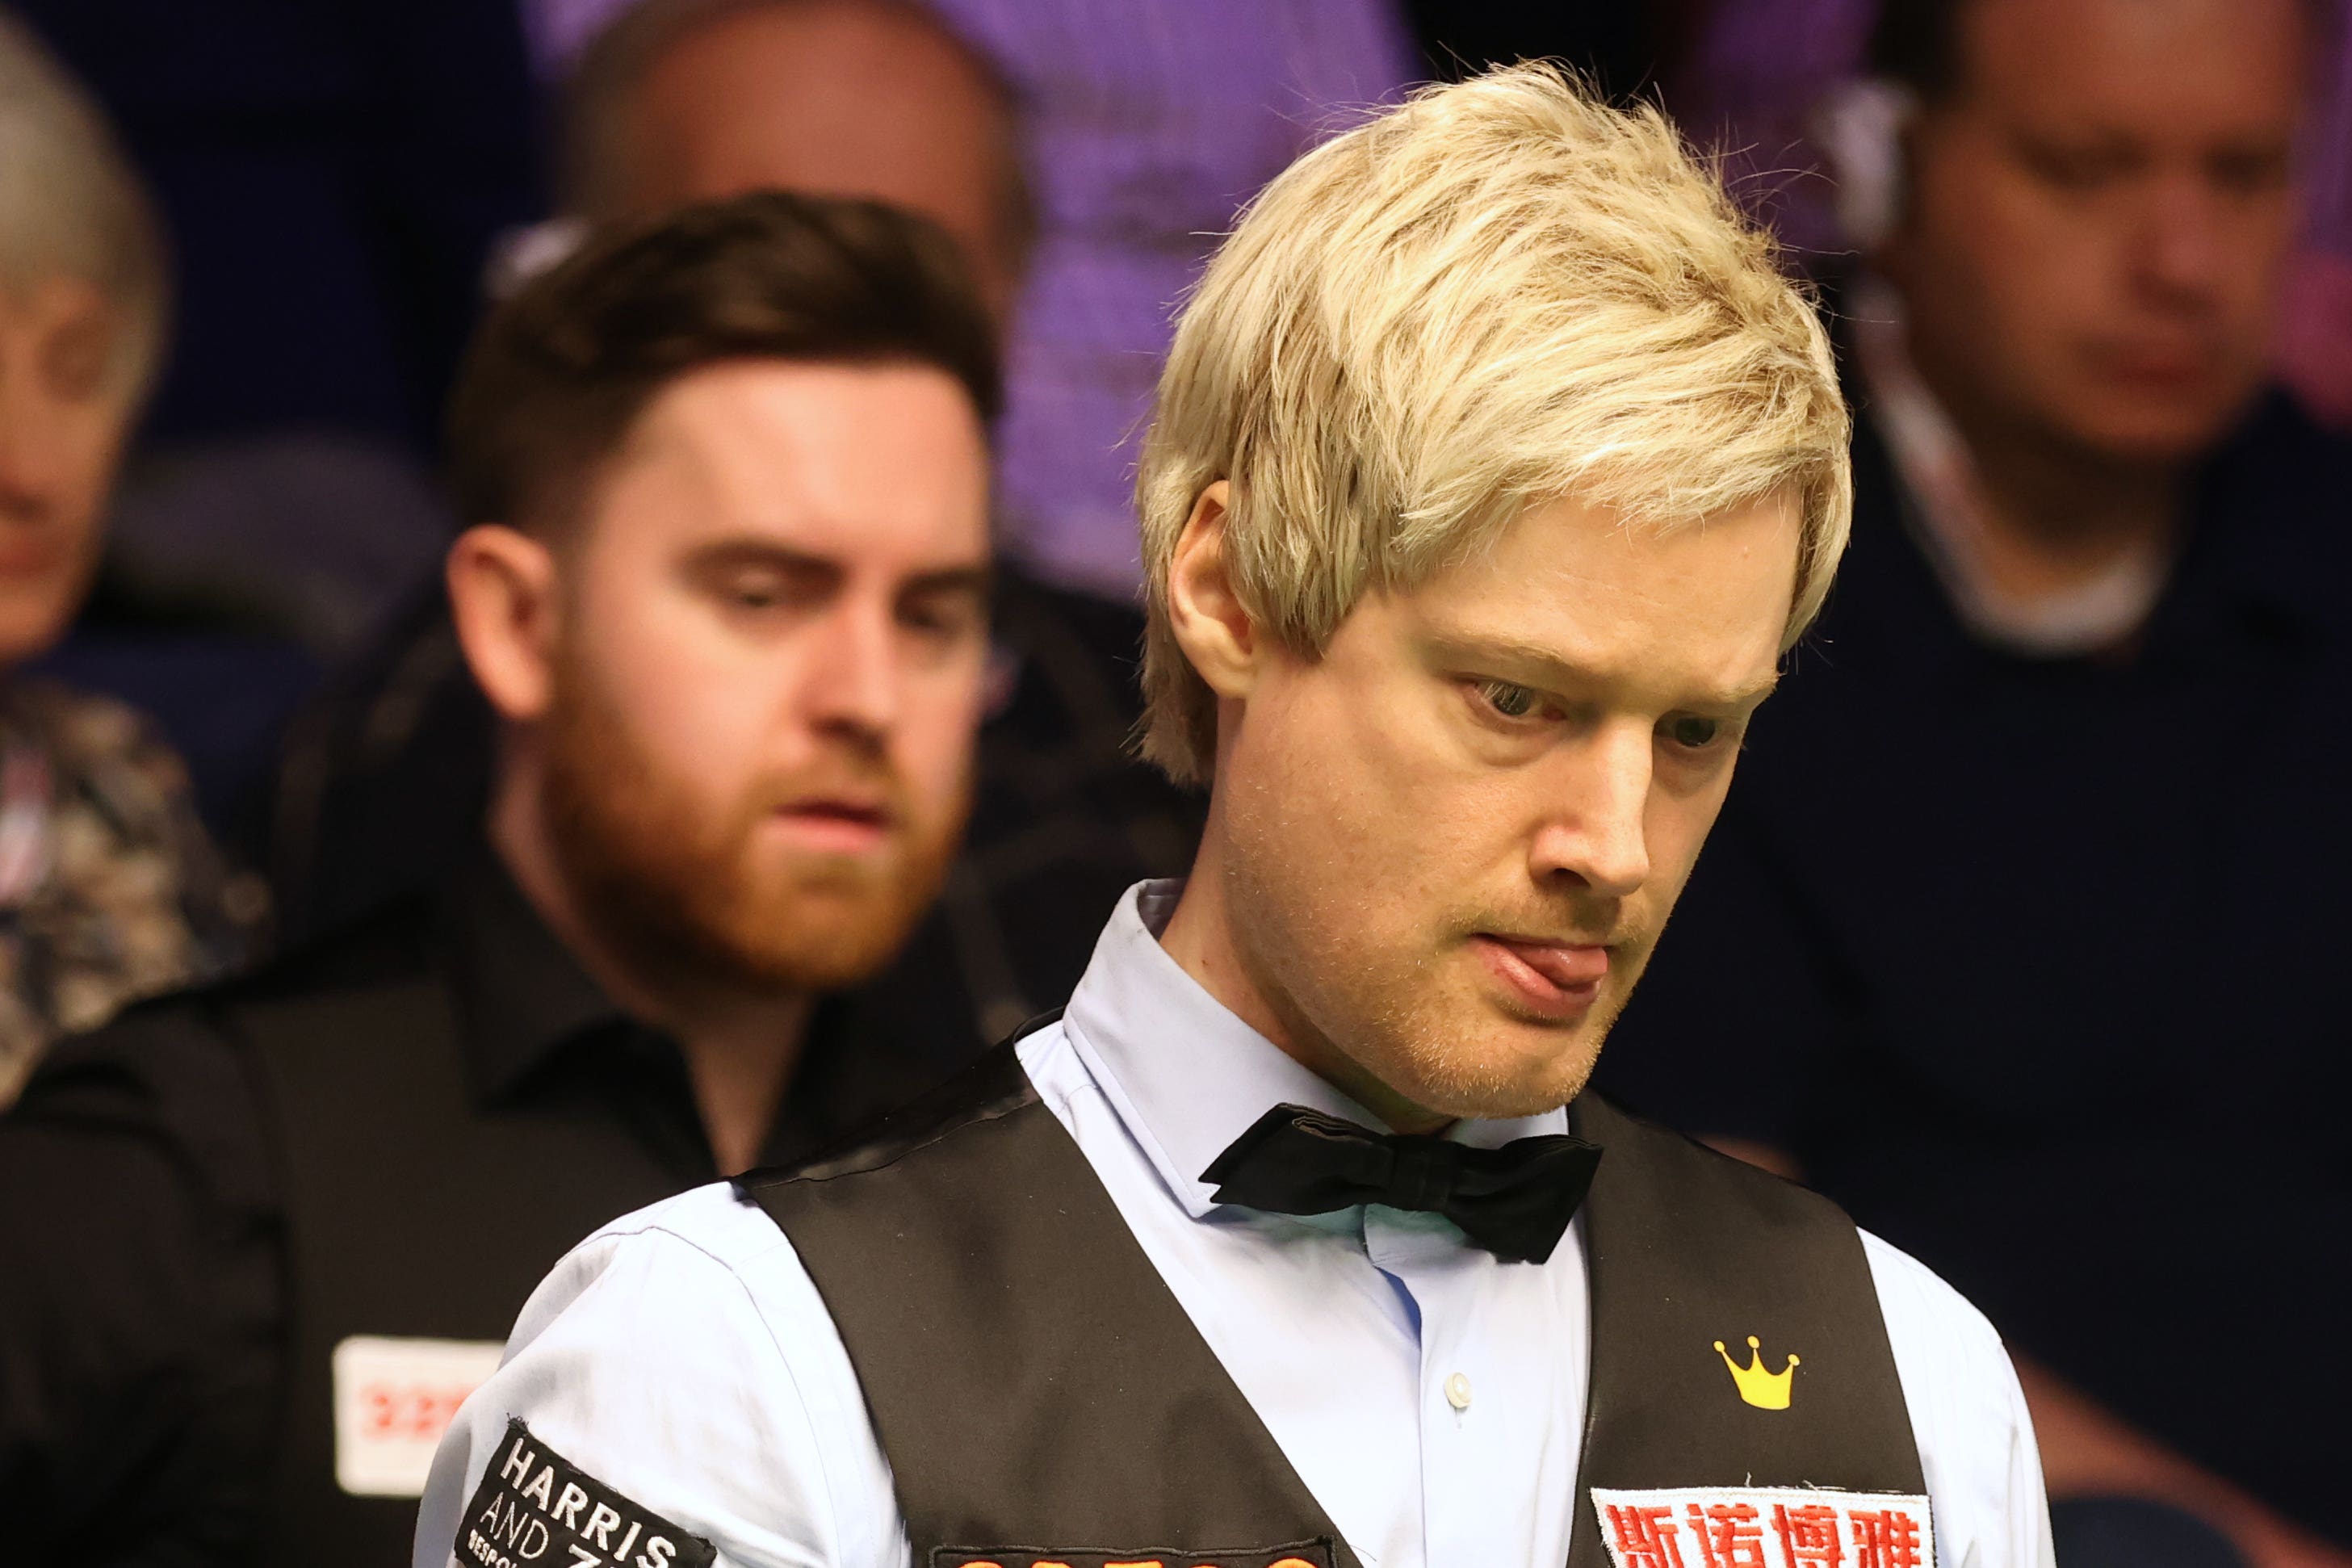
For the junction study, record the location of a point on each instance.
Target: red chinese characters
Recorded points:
(1729, 1534)
(1809, 1535)
(1763, 1527)
(1644, 1537)
(1887, 1538)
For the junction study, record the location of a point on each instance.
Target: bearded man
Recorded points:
(725, 584)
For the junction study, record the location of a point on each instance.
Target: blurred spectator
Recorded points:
(1759, 74)
(1147, 123)
(2044, 834)
(333, 176)
(725, 587)
(681, 99)
(109, 889)
(688, 99)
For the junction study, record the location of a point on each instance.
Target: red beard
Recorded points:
(671, 883)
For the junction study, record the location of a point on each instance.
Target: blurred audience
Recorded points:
(725, 584)
(690, 98)
(683, 99)
(333, 176)
(109, 888)
(2046, 827)
(1760, 78)
(1147, 124)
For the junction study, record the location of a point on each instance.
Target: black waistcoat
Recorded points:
(1034, 1382)
(411, 1212)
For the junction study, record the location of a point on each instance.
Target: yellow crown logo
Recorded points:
(1764, 1390)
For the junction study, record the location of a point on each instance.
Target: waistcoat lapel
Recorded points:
(1033, 1380)
(1688, 1248)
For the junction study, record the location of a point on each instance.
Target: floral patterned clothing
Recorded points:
(110, 890)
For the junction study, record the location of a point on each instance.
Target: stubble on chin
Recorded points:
(1435, 1033)
(1460, 1051)
(1419, 1032)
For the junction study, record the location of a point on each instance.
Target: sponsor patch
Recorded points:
(393, 1398)
(534, 1506)
(1314, 1554)
(1763, 1527)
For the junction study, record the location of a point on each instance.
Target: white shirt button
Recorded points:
(1457, 1391)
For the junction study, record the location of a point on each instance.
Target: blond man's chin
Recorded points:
(1510, 1079)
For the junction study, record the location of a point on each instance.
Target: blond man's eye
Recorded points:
(1511, 702)
(1693, 733)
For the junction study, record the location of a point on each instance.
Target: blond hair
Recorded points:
(1500, 294)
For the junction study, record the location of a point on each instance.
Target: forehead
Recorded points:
(880, 462)
(1698, 606)
(2173, 63)
(856, 99)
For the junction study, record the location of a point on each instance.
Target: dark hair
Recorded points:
(562, 368)
(1917, 43)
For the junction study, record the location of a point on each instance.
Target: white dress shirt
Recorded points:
(1430, 1396)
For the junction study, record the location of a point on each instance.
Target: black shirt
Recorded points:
(2031, 962)
(145, 1275)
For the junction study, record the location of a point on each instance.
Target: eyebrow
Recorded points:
(1512, 651)
(975, 579)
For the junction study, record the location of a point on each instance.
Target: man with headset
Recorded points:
(2038, 873)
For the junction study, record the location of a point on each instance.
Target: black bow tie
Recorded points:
(1515, 1201)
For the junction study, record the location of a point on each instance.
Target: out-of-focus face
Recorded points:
(2097, 220)
(835, 99)
(1453, 839)
(63, 416)
(767, 676)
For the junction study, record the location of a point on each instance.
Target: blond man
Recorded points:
(1494, 472)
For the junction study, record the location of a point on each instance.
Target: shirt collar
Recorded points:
(518, 993)
(1183, 1074)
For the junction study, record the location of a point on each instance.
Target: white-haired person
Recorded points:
(109, 889)
(1495, 471)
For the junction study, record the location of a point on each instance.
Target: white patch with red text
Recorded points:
(1763, 1527)
(393, 1398)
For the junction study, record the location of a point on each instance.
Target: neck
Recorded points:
(1200, 938)
(2054, 515)
(740, 1042)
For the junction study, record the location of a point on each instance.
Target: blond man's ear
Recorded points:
(503, 597)
(1205, 614)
